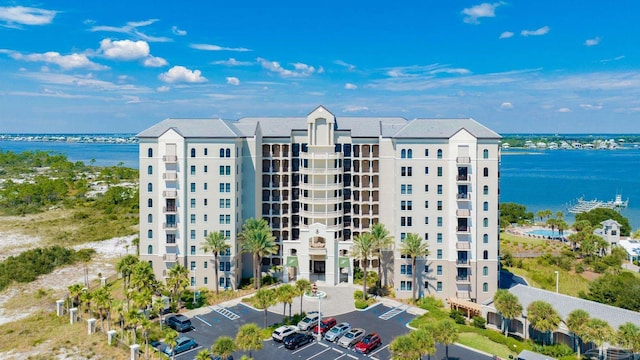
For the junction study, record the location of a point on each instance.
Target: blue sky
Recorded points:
(515, 66)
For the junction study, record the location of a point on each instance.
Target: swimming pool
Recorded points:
(547, 233)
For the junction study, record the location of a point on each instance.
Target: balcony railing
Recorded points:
(170, 257)
(463, 245)
(463, 212)
(171, 243)
(463, 229)
(463, 279)
(317, 244)
(463, 262)
(170, 194)
(170, 159)
(463, 196)
(170, 176)
(463, 178)
(169, 226)
(169, 209)
(462, 294)
(463, 159)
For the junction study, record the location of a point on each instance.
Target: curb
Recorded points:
(369, 307)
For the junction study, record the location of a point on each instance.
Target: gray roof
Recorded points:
(275, 126)
(565, 304)
(444, 128)
(190, 128)
(610, 222)
(368, 126)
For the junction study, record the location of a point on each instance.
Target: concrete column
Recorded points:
(103, 281)
(135, 349)
(59, 307)
(91, 326)
(73, 315)
(111, 336)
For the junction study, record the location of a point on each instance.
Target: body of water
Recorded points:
(540, 180)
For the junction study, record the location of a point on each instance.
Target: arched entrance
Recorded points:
(317, 258)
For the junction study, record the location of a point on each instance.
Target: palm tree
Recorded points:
(136, 242)
(102, 298)
(257, 239)
(424, 338)
(302, 286)
(404, 347)
(552, 223)
(576, 322)
(414, 247)
(446, 333)
(508, 306)
(177, 281)
(85, 299)
(146, 328)
(171, 339)
(119, 308)
(134, 318)
(543, 317)
(125, 267)
(362, 249)
(383, 241)
(74, 294)
(265, 298)
(562, 226)
(203, 354)
(223, 347)
(628, 337)
(598, 332)
(216, 245)
(142, 284)
(249, 338)
(285, 295)
(158, 308)
(559, 215)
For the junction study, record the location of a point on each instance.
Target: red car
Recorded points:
(368, 343)
(325, 325)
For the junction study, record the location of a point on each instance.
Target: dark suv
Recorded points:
(179, 323)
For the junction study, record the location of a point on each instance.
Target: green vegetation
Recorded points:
(621, 289)
(596, 216)
(360, 302)
(30, 264)
(512, 213)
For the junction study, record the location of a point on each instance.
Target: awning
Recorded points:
(292, 261)
(343, 262)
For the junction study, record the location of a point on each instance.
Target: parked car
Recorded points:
(351, 338)
(183, 344)
(178, 322)
(296, 340)
(337, 331)
(283, 331)
(308, 321)
(325, 325)
(368, 343)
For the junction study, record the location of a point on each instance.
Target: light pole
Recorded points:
(557, 278)
(195, 279)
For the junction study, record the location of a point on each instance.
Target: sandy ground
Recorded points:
(57, 281)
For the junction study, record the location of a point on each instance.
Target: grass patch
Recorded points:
(482, 343)
(544, 277)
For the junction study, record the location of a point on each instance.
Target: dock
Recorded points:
(582, 205)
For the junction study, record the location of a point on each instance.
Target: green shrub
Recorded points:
(556, 350)
(579, 268)
(599, 266)
(458, 317)
(479, 322)
(361, 304)
(358, 295)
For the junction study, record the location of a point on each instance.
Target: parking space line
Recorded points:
(302, 348)
(353, 357)
(338, 351)
(341, 356)
(225, 312)
(188, 351)
(201, 319)
(323, 351)
(325, 345)
(377, 351)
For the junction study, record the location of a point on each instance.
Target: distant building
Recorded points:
(319, 181)
(610, 232)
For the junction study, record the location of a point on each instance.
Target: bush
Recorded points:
(361, 304)
(358, 295)
(599, 266)
(458, 317)
(556, 350)
(479, 322)
(579, 268)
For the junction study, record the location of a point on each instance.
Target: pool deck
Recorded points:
(523, 231)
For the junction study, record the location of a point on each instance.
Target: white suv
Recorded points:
(351, 338)
(309, 321)
(283, 331)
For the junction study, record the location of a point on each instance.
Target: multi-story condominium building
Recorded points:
(320, 181)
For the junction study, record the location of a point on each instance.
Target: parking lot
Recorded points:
(226, 322)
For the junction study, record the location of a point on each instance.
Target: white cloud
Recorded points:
(131, 28)
(541, 31)
(455, 71)
(209, 47)
(349, 67)
(82, 81)
(232, 62)
(506, 35)
(176, 31)
(591, 107)
(124, 49)
(592, 42)
(300, 69)
(26, 15)
(479, 11)
(354, 108)
(424, 70)
(178, 74)
(163, 88)
(564, 110)
(66, 62)
(506, 105)
(233, 81)
(350, 86)
(154, 61)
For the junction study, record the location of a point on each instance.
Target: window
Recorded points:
(426, 220)
(227, 219)
(485, 271)
(426, 204)
(406, 269)
(193, 152)
(439, 238)
(403, 153)
(426, 268)
(192, 265)
(193, 203)
(485, 172)
(193, 187)
(150, 203)
(439, 189)
(206, 279)
(205, 202)
(149, 152)
(406, 286)
(439, 221)
(426, 236)
(485, 287)
(205, 264)
(206, 186)
(221, 203)
(409, 189)
(227, 152)
(409, 153)
(439, 205)
(221, 169)
(485, 222)
(426, 188)
(206, 168)
(426, 152)
(406, 171)
(402, 236)
(439, 253)
(403, 189)
(406, 221)
(426, 170)
(150, 234)
(485, 206)
(439, 286)
(206, 151)
(193, 218)
(193, 250)
(439, 170)
(221, 187)
(193, 281)
(150, 170)
(485, 154)
(221, 153)
(225, 266)
(150, 218)
(150, 249)
(485, 255)
(205, 217)
(192, 235)
(205, 233)
(227, 187)
(221, 219)
(439, 154)
(439, 270)
(193, 169)
(485, 190)
(485, 238)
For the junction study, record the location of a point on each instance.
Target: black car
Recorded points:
(179, 323)
(296, 340)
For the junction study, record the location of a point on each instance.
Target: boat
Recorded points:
(582, 205)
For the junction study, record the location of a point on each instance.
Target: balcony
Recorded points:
(316, 186)
(463, 196)
(171, 243)
(463, 160)
(170, 159)
(463, 212)
(170, 194)
(463, 229)
(463, 263)
(463, 245)
(465, 279)
(169, 209)
(170, 226)
(170, 176)
(463, 178)
(462, 295)
(170, 257)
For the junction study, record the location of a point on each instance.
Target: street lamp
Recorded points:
(557, 278)
(195, 279)
(317, 294)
